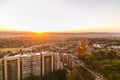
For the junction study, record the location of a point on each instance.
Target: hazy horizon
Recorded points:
(69, 16)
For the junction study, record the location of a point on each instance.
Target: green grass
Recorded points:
(9, 49)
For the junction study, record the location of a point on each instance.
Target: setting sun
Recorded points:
(39, 33)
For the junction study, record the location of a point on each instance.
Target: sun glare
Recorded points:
(39, 33)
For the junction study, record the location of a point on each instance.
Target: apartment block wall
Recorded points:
(36, 65)
(25, 66)
(56, 60)
(22, 66)
(67, 60)
(47, 63)
(12, 68)
(1, 70)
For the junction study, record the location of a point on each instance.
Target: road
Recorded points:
(96, 75)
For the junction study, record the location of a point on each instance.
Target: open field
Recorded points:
(9, 49)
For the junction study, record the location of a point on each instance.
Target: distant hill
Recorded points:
(31, 34)
(4, 34)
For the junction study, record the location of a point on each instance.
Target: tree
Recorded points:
(111, 54)
(2, 54)
(75, 75)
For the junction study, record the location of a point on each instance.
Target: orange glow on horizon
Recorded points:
(39, 33)
(41, 30)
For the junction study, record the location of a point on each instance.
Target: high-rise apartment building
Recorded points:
(25, 66)
(47, 63)
(19, 67)
(68, 60)
(1, 70)
(56, 60)
(36, 65)
(12, 68)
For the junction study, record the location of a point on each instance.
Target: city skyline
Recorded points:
(60, 16)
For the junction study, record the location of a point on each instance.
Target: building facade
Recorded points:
(36, 64)
(1, 70)
(68, 60)
(47, 63)
(25, 66)
(56, 60)
(12, 68)
(20, 67)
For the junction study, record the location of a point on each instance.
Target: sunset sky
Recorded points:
(60, 15)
